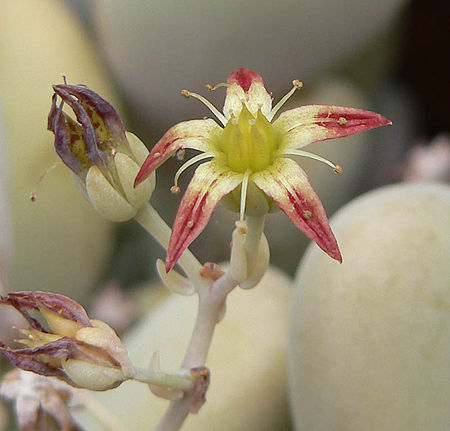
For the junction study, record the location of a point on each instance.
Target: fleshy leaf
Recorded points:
(312, 123)
(208, 186)
(287, 184)
(193, 134)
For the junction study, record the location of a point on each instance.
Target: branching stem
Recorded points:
(210, 306)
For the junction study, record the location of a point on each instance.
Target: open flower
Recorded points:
(63, 342)
(102, 155)
(249, 163)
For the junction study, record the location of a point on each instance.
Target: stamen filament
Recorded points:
(208, 104)
(33, 195)
(337, 168)
(210, 87)
(188, 163)
(297, 85)
(244, 194)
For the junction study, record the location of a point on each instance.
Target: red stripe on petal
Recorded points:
(188, 134)
(288, 185)
(322, 122)
(342, 121)
(208, 186)
(244, 78)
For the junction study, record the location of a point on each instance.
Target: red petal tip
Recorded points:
(335, 254)
(169, 265)
(244, 78)
(141, 176)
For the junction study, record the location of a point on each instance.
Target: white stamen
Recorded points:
(337, 168)
(297, 85)
(190, 162)
(244, 194)
(210, 87)
(33, 195)
(208, 104)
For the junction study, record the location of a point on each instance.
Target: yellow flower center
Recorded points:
(247, 143)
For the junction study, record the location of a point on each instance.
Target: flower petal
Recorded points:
(246, 86)
(287, 184)
(193, 134)
(87, 129)
(104, 118)
(31, 359)
(67, 135)
(208, 186)
(312, 123)
(26, 301)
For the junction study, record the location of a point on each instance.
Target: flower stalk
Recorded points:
(255, 228)
(154, 224)
(182, 380)
(210, 312)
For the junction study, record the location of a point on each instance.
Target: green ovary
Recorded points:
(248, 142)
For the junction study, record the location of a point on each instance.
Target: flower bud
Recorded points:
(103, 156)
(92, 376)
(83, 352)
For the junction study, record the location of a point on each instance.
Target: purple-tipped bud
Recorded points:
(94, 138)
(70, 346)
(99, 151)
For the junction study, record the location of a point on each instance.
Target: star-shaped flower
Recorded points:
(249, 163)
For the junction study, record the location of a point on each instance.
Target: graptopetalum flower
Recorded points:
(249, 163)
(65, 343)
(102, 155)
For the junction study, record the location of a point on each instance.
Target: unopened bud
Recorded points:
(104, 157)
(83, 352)
(106, 200)
(92, 376)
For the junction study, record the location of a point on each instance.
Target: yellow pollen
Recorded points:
(342, 121)
(207, 103)
(242, 226)
(190, 224)
(175, 190)
(338, 169)
(156, 155)
(296, 86)
(307, 214)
